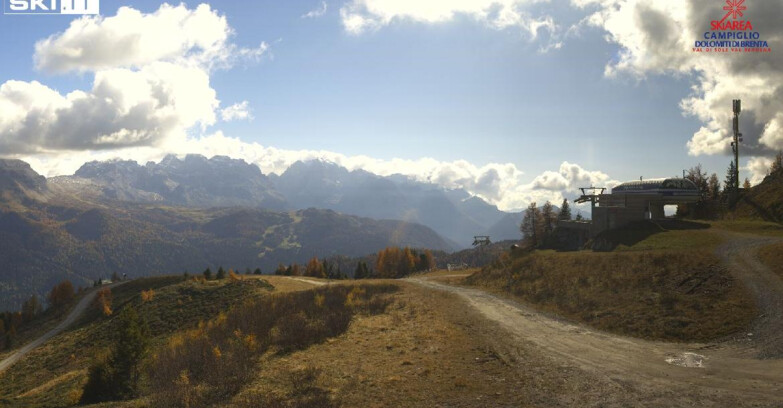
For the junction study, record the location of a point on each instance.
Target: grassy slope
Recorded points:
(660, 235)
(42, 323)
(667, 285)
(763, 201)
(756, 227)
(427, 349)
(49, 374)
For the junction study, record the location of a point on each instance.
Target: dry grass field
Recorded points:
(665, 295)
(405, 345)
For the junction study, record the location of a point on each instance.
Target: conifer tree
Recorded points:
(362, 271)
(713, 187)
(61, 295)
(729, 183)
(548, 217)
(31, 308)
(293, 270)
(565, 211)
(777, 164)
(531, 225)
(699, 178)
(131, 348)
(281, 269)
(117, 376)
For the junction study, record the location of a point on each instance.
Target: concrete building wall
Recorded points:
(617, 210)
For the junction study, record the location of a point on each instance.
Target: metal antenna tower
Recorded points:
(737, 107)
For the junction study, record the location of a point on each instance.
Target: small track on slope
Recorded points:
(75, 314)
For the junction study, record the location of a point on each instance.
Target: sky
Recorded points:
(513, 100)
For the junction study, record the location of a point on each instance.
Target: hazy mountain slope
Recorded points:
(454, 214)
(47, 242)
(506, 228)
(19, 183)
(194, 181)
(17, 176)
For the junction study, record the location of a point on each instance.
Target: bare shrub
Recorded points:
(147, 295)
(303, 392)
(212, 362)
(103, 302)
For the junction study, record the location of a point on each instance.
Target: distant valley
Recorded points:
(186, 214)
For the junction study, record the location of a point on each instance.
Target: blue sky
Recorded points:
(458, 97)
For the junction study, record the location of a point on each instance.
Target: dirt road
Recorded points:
(740, 254)
(729, 369)
(75, 313)
(312, 281)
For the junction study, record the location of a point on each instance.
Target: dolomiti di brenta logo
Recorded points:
(732, 33)
(51, 6)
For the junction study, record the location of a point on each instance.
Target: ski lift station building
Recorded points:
(632, 201)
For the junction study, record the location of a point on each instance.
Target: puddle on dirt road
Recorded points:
(687, 359)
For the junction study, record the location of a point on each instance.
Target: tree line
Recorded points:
(715, 196)
(538, 224)
(314, 268)
(58, 299)
(395, 262)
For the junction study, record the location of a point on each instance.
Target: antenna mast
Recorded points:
(737, 107)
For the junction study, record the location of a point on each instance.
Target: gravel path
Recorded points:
(75, 313)
(734, 370)
(740, 252)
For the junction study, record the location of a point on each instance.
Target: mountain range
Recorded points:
(196, 181)
(186, 214)
(81, 228)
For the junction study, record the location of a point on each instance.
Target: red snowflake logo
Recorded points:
(734, 8)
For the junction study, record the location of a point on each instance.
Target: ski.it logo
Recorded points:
(51, 6)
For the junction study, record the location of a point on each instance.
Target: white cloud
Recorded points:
(359, 16)
(151, 87)
(658, 37)
(123, 108)
(569, 178)
(151, 82)
(237, 111)
(759, 168)
(317, 12)
(133, 39)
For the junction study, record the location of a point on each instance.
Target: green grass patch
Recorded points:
(658, 235)
(751, 227)
(663, 295)
(676, 240)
